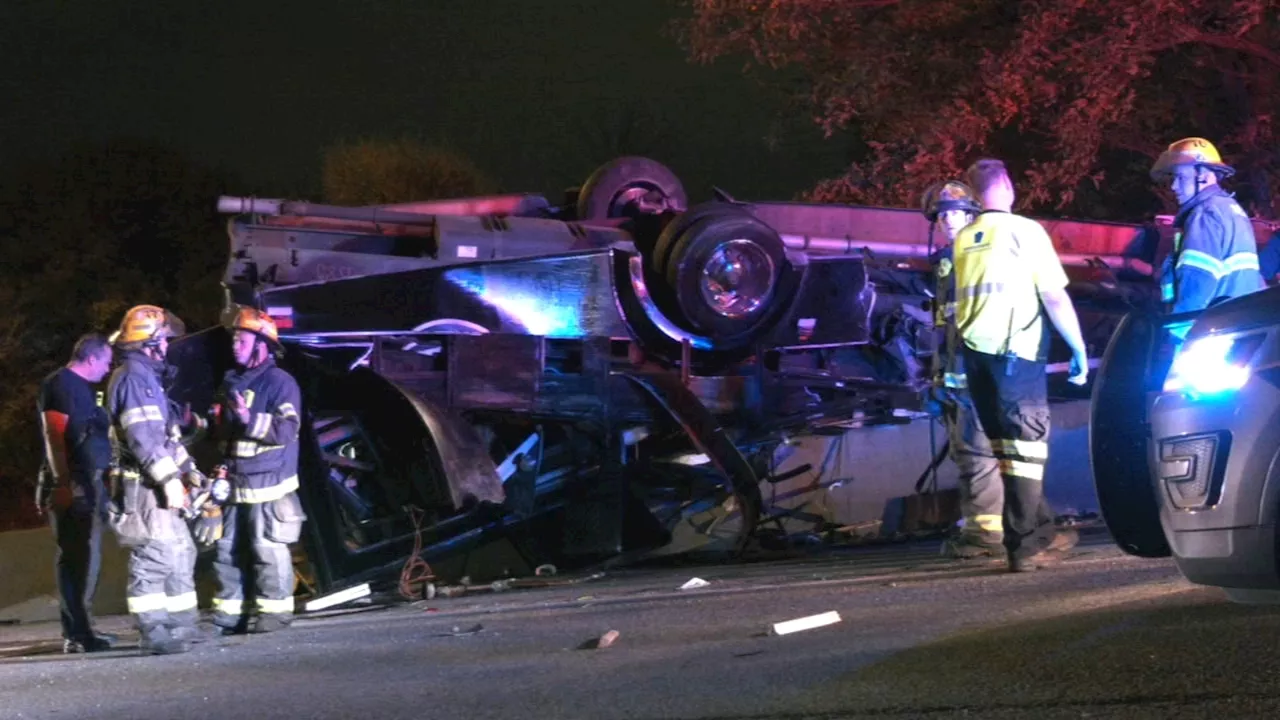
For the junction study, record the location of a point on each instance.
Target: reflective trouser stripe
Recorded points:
(1027, 449)
(284, 605)
(228, 606)
(986, 523)
(1019, 468)
(181, 603)
(147, 603)
(253, 496)
(235, 607)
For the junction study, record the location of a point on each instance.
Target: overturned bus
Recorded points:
(603, 379)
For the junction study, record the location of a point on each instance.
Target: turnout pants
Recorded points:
(162, 587)
(980, 483)
(254, 565)
(78, 532)
(1011, 413)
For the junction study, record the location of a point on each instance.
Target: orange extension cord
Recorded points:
(416, 570)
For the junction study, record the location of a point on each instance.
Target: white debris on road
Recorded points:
(806, 623)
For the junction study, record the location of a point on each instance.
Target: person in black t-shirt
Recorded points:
(77, 452)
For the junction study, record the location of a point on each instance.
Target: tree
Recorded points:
(1078, 97)
(104, 227)
(385, 171)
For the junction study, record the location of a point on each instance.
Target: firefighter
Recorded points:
(257, 420)
(150, 474)
(1008, 279)
(1215, 253)
(950, 206)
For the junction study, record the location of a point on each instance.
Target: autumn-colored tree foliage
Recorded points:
(384, 171)
(1078, 96)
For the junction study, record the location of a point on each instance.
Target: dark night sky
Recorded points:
(527, 88)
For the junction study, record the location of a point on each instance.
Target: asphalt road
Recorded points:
(1102, 635)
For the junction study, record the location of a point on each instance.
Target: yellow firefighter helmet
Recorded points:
(254, 321)
(1190, 151)
(949, 195)
(145, 324)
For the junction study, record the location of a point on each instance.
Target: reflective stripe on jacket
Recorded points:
(1002, 264)
(951, 362)
(261, 454)
(1215, 253)
(145, 432)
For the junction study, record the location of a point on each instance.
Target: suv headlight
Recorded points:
(1214, 364)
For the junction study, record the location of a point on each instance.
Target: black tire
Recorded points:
(655, 266)
(673, 231)
(1118, 438)
(630, 186)
(720, 239)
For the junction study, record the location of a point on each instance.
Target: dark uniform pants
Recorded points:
(980, 483)
(1011, 400)
(254, 561)
(162, 586)
(78, 531)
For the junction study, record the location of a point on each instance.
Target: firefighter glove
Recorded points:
(207, 528)
(195, 479)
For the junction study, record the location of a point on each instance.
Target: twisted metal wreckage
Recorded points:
(603, 379)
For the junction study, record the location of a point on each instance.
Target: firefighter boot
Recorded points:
(269, 622)
(156, 640)
(969, 546)
(1021, 563)
(191, 634)
(184, 626)
(1063, 540)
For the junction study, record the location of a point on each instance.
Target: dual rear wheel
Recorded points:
(715, 270)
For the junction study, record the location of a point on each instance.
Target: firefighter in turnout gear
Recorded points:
(1008, 279)
(950, 206)
(257, 420)
(149, 475)
(1215, 253)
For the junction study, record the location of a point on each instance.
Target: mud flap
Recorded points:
(710, 439)
(416, 429)
(1119, 434)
